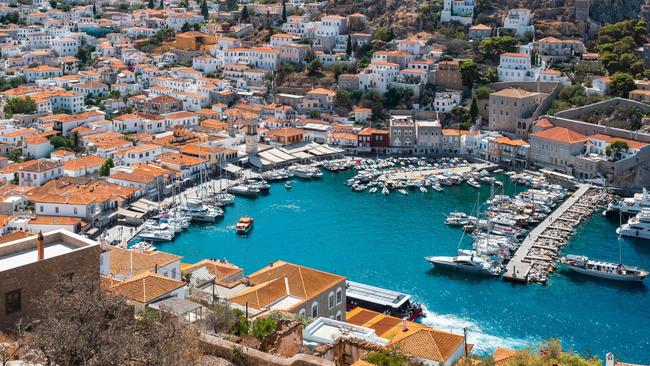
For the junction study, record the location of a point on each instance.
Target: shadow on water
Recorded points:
(451, 274)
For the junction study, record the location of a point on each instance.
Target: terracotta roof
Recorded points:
(269, 284)
(513, 93)
(480, 27)
(36, 140)
(54, 220)
(502, 355)
(221, 270)
(544, 123)
(507, 141)
(15, 236)
(514, 54)
(561, 134)
(146, 287)
(41, 166)
(123, 261)
(434, 345)
(633, 144)
(84, 162)
(131, 177)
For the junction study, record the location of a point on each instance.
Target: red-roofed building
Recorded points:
(373, 140)
(505, 151)
(556, 147)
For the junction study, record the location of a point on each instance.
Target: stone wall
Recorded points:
(286, 341)
(241, 355)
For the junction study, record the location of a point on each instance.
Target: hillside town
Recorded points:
(122, 123)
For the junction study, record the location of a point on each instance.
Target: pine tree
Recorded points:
(473, 110)
(151, 6)
(94, 10)
(284, 11)
(244, 14)
(162, 5)
(348, 48)
(204, 10)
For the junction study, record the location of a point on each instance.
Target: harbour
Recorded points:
(369, 246)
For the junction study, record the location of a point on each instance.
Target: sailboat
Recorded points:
(608, 270)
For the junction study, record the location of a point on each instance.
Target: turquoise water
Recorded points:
(382, 241)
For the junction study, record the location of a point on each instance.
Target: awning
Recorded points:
(128, 213)
(230, 168)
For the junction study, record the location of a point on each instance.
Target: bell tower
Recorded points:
(250, 136)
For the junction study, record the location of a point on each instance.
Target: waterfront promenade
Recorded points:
(417, 174)
(521, 263)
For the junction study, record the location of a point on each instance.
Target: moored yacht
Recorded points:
(637, 226)
(197, 211)
(608, 270)
(630, 206)
(244, 190)
(465, 263)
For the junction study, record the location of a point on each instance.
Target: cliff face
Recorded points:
(611, 11)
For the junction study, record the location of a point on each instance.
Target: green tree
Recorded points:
(204, 10)
(19, 105)
(162, 4)
(151, 5)
(615, 149)
(491, 48)
(263, 327)
(314, 67)
(384, 34)
(343, 98)
(244, 14)
(186, 27)
(94, 10)
(386, 357)
(284, 11)
(489, 76)
(620, 84)
(470, 71)
(105, 169)
(473, 110)
(348, 47)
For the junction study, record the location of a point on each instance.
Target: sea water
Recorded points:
(382, 240)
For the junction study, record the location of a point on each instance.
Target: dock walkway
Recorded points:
(417, 174)
(520, 264)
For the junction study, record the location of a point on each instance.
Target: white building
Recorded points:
(461, 11)
(446, 101)
(519, 20)
(516, 67)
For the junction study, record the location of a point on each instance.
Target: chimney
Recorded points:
(405, 327)
(41, 247)
(609, 359)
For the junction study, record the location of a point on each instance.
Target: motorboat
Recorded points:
(381, 300)
(225, 198)
(465, 263)
(156, 232)
(385, 191)
(143, 246)
(244, 190)
(459, 219)
(244, 225)
(437, 188)
(373, 190)
(630, 206)
(637, 226)
(607, 270)
(423, 190)
(197, 211)
(287, 185)
(403, 191)
(473, 183)
(260, 184)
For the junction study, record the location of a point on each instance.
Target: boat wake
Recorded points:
(289, 206)
(484, 343)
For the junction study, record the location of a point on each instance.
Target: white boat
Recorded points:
(459, 219)
(403, 191)
(637, 226)
(244, 190)
(197, 211)
(385, 191)
(143, 246)
(287, 185)
(473, 183)
(260, 184)
(437, 188)
(607, 270)
(225, 198)
(156, 232)
(465, 263)
(632, 205)
(373, 190)
(423, 190)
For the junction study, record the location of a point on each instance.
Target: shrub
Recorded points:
(262, 327)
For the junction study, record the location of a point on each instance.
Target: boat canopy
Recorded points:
(376, 295)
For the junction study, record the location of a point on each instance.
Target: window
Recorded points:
(75, 210)
(13, 302)
(40, 208)
(56, 209)
(330, 300)
(302, 313)
(314, 310)
(339, 296)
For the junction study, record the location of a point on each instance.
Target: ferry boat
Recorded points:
(629, 206)
(244, 225)
(637, 226)
(465, 263)
(607, 270)
(394, 303)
